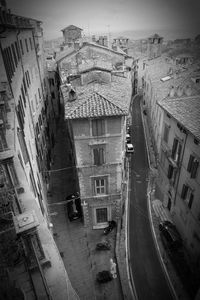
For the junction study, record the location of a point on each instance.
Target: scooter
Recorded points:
(111, 224)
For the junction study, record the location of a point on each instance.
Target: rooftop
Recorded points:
(98, 100)
(186, 110)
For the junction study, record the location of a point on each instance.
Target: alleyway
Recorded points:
(76, 243)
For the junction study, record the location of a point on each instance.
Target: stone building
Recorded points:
(179, 165)
(71, 34)
(154, 46)
(26, 241)
(96, 109)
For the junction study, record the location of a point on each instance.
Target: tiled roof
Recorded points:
(98, 100)
(95, 106)
(159, 68)
(186, 110)
(70, 51)
(71, 27)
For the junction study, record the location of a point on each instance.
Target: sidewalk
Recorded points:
(75, 242)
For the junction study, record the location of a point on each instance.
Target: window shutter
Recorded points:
(184, 191)
(194, 168)
(191, 159)
(170, 171)
(179, 152)
(166, 133)
(101, 156)
(94, 127)
(191, 200)
(96, 156)
(174, 148)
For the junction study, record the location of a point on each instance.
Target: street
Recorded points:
(149, 279)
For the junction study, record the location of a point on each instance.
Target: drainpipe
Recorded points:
(176, 191)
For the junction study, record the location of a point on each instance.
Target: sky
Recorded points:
(109, 16)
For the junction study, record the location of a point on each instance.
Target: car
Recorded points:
(129, 148)
(128, 138)
(128, 130)
(73, 211)
(75, 195)
(170, 236)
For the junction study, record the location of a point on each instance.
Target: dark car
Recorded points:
(73, 196)
(170, 236)
(73, 211)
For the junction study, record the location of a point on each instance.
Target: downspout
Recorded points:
(180, 169)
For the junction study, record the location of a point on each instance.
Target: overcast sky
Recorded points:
(111, 15)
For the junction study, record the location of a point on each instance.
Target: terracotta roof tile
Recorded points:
(186, 110)
(98, 100)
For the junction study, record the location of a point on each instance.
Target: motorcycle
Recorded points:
(103, 246)
(111, 224)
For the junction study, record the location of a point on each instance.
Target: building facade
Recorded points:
(24, 115)
(96, 110)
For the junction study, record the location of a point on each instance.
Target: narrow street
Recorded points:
(149, 279)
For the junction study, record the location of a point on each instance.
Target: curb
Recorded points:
(150, 215)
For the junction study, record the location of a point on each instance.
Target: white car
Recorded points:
(129, 148)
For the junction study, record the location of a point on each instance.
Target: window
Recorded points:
(99, 157)
(3, 143)
(22, 145)
(176, 150)
(31, 45)
(166, 133)
(98, 127)
(39, 94)
(14, 54)
(17, 50)
(170, 171)
(26, 43)
(102, 215)
(23, 95)
(100, 186)
(187, 195)
(192, 167)
(21, 46)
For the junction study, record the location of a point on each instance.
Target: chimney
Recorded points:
(188, 90)
(179, 91)
(72, 94)
(172, 91)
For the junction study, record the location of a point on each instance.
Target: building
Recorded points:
(121, 42)
(70, 59)
(71, 34)
(26, 114)
(97, 106)
(154, 46)
(179, 165)
(171, 99)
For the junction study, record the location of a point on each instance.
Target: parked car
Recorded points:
(171, 238)
(111, 224)
(75, 195)
(128, 130)
(128, 138)
(104, 276)
(129, 148)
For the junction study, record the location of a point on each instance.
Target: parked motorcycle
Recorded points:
(103, 246)
(111, 224)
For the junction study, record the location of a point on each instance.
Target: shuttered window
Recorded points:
(193, 165)
(166, 133)
(99, 158)
(98, 127)
(187, 195)
(23, 145)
